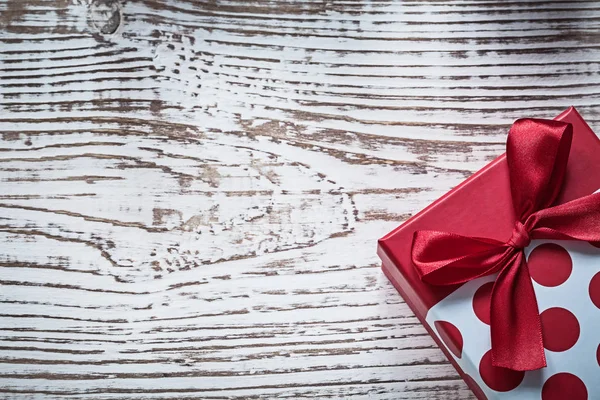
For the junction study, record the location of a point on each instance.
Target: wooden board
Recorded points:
(191, 191)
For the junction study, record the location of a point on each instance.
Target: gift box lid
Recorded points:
(482, 206)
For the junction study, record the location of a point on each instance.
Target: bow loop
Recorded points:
(578, 219)
(448, 259)
(537, 153)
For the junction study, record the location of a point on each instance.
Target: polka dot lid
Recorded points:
(550, 264)
(566, 279)
(496, 378)
(560, 329)
(564, 386)
(482, 301)
(595, 290)
(451, 337)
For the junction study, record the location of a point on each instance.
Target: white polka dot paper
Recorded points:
(566, 280)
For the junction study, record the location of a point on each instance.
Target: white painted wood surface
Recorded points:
(191, 191)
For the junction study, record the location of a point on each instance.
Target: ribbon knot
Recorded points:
(520, 237)
(537, 152)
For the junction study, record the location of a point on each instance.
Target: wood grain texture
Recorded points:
(191, 191)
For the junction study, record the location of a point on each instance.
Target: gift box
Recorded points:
(565, 275)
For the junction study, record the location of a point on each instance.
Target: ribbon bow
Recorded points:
(537, 152)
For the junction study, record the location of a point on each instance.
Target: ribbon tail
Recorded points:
(516, 328)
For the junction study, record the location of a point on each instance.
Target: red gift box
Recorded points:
(482, 207)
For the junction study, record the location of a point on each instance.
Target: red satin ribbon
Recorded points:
(537, 152)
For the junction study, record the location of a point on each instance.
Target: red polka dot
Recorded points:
(560, 329)
(475, 387)
(481, 302)
(595, 244)
(563, 386)
(451, 336)
(598, 355)
(498, 378)
(550, 264)
(595, 290)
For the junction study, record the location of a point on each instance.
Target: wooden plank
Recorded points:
(191, 191)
